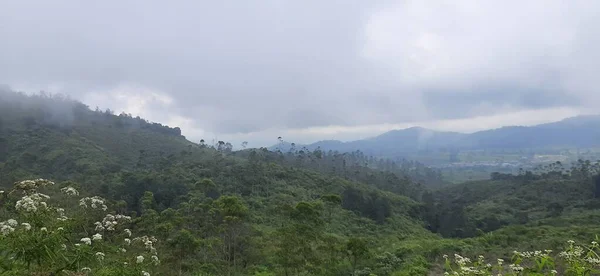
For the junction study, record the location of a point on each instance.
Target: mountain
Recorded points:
(576, 132)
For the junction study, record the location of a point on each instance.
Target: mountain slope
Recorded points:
(576, 132)
(169, 185)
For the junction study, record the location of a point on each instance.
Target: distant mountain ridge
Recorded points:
(575, 132)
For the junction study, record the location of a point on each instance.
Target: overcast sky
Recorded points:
(310, 70)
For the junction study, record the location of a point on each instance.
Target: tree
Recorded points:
(357, 249)
(298, 239)
(331, 201)
(184, 244)
(232, 214)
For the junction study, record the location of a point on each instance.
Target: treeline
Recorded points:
(417, 171)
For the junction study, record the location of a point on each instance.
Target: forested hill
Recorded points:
(208, 210)
(154, 173)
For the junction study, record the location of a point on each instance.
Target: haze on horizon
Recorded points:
(310, 70)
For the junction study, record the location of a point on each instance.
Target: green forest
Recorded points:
(90, 192)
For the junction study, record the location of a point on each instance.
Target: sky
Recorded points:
(309, 70)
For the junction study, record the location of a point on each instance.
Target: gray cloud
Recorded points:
(233, 67)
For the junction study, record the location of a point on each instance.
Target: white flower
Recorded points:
(87, 241)
(516, 267)
(86, 269)
(123, 250)
(44, 229)
(144, 273)
(148, 244)
(69, 191)
(100, 256)
(127, 241)
(63, 246)
(12, 222)
(95, 202)
(109, 222)
(6, 229)
(78, 244)
(26, 225)
(99, 226)
(31, 185)
(60, 228)
(139, 259)
(32, 203)
(97, 237)
(155, 260)
(128, 232)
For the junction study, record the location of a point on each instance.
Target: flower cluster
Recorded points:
(94, 202)
(26, 225)
(532, 254)
(30, 186)
(32, 203)
(100, 256)
(23, 242)
(574, 253)
(109, 222)
(86, 241)
(7, 227)
(70, 191)
(61, 214)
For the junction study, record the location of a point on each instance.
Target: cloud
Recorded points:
(307, 70)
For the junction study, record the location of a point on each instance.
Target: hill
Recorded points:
(209, 210)
(153, 173)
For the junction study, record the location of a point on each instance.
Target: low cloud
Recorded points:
(309, 70)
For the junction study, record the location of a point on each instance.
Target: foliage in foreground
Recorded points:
(41, 238)
(575, 260)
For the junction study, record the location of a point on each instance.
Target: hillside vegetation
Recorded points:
(199, 209)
